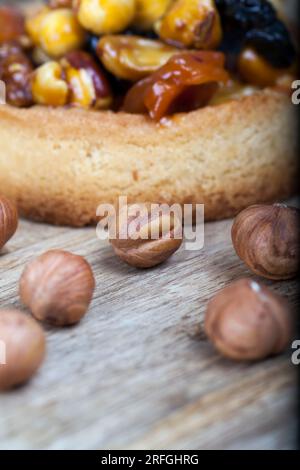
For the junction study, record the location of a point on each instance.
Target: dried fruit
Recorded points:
(57, 287)
(11, 24)
(254, 23)
(246, 321)
(256, 70)
(188, 81)
(60, 4)
(133, 57)
(273, 42)
(246, 14)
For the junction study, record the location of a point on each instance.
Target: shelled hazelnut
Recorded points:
(49, 86)
(246, 321)
(76, 80)
(108, 17)
(148, 13)
(191, 23)
(24, 347)
(145, 238)
(57, 287)
(266, 238)
(8, 220)
(56, 32)
(87, 83)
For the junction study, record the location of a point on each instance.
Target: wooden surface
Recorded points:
(138, 372)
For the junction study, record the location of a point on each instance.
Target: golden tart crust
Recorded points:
(60, 164)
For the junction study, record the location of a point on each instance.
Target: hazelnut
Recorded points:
(57, 287)
(147, 13)
(246, 321)
(23, 348)
(57, 31)
(191, 24)
(48, 85)
(145, 238)
(87, 83)
(8, 220)
(266, 238)
(105, 17)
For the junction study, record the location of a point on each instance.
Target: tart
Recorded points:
(222, 135)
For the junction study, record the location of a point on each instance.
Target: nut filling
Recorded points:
(139, 56)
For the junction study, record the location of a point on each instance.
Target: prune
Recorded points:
(246, 14)
(273, 43)
(255, 23)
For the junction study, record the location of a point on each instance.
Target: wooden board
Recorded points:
(138, 372)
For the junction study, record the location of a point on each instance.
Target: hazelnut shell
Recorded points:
(145, 252)
(266, 238)
(25, 347)
(8, 220)
(57, 287)
(246, 321)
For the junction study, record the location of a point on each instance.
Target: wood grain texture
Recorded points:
(137, 372)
